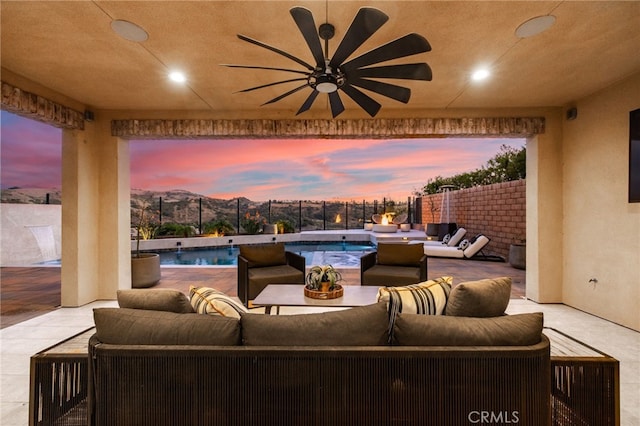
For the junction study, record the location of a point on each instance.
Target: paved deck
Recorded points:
(28, 292)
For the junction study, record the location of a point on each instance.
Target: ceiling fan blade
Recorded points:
(419, 71)
(367, 21)
(336, 104)
(276, 50)
(307, 104)
(304, 21)
(408, 45)
(270, 84)
(255, 67)
(401, 94)
(366, 102)
(284, 95)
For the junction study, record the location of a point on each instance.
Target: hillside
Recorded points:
(183, 207)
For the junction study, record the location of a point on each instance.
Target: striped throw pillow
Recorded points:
(210, 301)
(426, 298)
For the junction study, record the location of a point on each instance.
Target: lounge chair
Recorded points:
(452, 241)
(466, 249)
(400, 219)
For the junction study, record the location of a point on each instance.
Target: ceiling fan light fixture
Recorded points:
(535, 26)
(177, 76)
(326, 83)
(480, 74)
(129, 30)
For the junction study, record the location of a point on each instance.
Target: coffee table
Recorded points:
(293, 295)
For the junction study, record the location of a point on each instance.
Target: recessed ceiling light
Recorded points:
(480, 74)
(177, 76)
(535, 26)
(129, 30)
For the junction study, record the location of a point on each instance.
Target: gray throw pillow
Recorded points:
(155, 300)
(121, 326)
(437, 330)
(361, 326)
(484, 298)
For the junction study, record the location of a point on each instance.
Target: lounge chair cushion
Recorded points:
(260, 255)
(280, 274)
(399, 254)
(435, 330)
(210, 301)
(360, 326)
(386, 275)
(440, 250)
(483, 298)
(456, 237)
(476, 246)
(155, 300)
(123, 326)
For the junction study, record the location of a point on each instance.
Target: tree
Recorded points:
(509, 164)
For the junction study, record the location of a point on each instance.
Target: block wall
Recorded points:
(497, 211)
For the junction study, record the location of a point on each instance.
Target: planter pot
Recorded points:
(432, 229)
(269, 228)
(518, 256)
(145, 270)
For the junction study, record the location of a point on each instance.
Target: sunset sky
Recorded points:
(258, 169)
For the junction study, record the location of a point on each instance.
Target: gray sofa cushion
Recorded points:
(259, 255)
(483, 298)
(155, 300)
(122, 326)
(361, 326)
(400, 254)
(434, 330)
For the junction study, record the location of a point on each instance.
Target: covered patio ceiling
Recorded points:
(70, 47)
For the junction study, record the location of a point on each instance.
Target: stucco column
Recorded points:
(95, 214)
(544, 213)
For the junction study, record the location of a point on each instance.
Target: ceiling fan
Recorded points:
(331, 75)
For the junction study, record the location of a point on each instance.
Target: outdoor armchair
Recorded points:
(262, 264)
(394, 264)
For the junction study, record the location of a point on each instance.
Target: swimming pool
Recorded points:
(339, 254)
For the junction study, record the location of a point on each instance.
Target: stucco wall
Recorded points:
(497, 211)
(602, 230)
(22, 226)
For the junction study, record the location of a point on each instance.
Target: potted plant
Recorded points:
(145, 267)
(518, 254)
(322, 278)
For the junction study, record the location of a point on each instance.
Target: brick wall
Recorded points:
(497, 211)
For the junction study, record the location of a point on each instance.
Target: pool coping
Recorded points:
(350, 235)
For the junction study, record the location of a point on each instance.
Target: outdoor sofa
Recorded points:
(166, 365)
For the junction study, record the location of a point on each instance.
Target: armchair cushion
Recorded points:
(400, 254)
(280, 274)
(385, 275)
(155, 300)
(360, 326)
(483, 298)
(260, 255)
(433, 330)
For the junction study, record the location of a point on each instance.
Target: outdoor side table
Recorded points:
(585, 383)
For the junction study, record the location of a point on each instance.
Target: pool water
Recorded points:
(340, 254)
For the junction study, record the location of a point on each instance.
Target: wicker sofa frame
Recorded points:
(249, 385)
